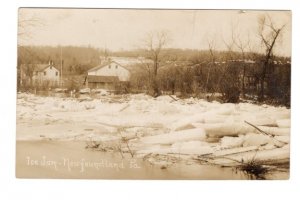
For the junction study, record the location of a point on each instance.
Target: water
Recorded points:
(101, 164)
(52, 159)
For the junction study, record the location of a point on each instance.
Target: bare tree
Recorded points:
(211, 46)
(268, 33)
(230, 44)
(26, 64)
(154, 44)
(230, 87)
(243, 46)
(147, 67)
(25, 24)
(29, 71)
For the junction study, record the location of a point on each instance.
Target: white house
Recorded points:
(111, 69)
(46, 73)
(107, 76)
(39, 74)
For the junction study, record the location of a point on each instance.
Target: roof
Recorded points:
(41, 67)
(105, 64)
(102, 79)
(98, 67)
(38, 67)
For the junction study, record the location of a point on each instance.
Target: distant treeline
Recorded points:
(75, 60)
(185, 71)
(192, 55)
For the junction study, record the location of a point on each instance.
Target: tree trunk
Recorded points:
(207, 78)
(262, 89)
(262, 79)
(243, 81)
(155, 86)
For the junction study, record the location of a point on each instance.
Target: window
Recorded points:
(109, 66)
(116, 66)
(45, 73)
(50, 67)
(56, 73)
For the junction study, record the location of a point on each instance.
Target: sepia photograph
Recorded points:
(160, 94)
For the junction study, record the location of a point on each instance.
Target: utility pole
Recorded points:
(61, 72)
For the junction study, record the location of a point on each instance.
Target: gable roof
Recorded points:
(105, 64)
(38, 67)
(102, 79)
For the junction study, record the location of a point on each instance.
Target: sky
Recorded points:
(126, 29)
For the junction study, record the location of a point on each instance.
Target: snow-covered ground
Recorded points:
(225, 134)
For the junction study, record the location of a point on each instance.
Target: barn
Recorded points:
(103, 82)
(107, 76)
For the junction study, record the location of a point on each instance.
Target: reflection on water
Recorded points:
(49, 159)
